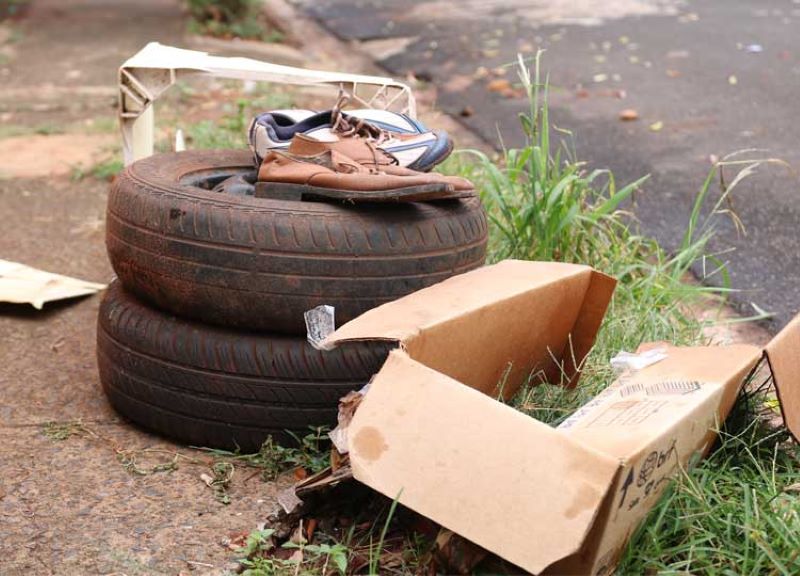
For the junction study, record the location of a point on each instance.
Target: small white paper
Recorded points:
(320, 324)
(21, 284)
(629, 361)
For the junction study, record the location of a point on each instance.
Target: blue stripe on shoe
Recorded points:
(436, 152)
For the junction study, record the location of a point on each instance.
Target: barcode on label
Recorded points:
(663, 388)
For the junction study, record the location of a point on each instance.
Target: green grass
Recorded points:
(58, 431)
(311, 454)
(735, 513)
(230, 131)
(231, 19)
(731, 513)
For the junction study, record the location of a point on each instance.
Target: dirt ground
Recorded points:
(70, 506)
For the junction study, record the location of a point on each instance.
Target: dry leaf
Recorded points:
(481, 72)
(656, 126)
(499, 85)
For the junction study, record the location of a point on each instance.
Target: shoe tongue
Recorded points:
(305, 146)
(330, 159)
(354, 147)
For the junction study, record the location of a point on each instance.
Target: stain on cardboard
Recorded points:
(586, 499)
(369, 443)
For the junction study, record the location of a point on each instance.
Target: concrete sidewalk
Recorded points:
(70, 506)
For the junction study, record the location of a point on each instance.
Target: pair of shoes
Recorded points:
(408, 140)
(339, 156)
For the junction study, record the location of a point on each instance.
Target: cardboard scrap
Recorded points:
(21, 284)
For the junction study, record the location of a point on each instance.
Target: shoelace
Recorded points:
(350, 127)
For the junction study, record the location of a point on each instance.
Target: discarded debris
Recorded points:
(628, 115)
(220, 481)
(499, 85)
(656, 126)
(733, 80)
(674, 54)
(21, 284)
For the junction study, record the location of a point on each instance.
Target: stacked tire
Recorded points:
(202, 337)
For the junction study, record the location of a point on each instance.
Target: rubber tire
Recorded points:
(215, 387)
(255, 263)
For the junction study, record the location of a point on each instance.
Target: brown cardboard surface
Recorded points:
(476, 466)
(496, 323)
(783, 354)
(653, 421)
(431, 432)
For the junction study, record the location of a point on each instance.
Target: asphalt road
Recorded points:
(706, 78)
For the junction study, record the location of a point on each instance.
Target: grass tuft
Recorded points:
(231, 19)
(311, 454)
(59, 431)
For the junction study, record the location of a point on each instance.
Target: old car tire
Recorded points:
(236, 260)
(216, 387)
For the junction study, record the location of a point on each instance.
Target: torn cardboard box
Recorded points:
(431, 433)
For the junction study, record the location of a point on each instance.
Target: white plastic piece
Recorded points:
(144, 77)
(180, 141)
(320, 324)
(629, 361)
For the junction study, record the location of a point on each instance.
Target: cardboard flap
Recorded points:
(497, 323)
(587, 324)
(783, 354)
(499, 478)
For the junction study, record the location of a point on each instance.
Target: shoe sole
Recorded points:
(419, 193)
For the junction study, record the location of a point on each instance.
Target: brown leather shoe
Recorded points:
(311, 168)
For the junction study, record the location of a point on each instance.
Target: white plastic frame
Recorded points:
(152, 70)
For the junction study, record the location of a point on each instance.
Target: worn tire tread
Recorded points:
(259, 264)
(220, 378)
